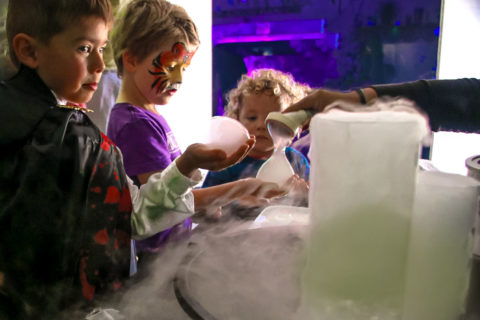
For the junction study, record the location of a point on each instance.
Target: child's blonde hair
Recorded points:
(265, 81)
(143, 25)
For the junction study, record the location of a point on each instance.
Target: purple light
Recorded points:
(269, 31)
(276, 37)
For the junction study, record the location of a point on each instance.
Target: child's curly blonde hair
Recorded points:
(267, 81)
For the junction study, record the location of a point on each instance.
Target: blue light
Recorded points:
(397, 23)
(337, 40)
(437, 31)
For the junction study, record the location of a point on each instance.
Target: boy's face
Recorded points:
(252, 115)
(71, 64)
(160, 74)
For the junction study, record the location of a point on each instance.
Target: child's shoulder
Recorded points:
(126, 113)
(125, 109)
(21, 110)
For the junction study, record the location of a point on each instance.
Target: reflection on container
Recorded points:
(441, 244)
(473, 297)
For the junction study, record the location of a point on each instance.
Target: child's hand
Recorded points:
(297, 190)
(254, 192)
(199, 155)
(249, 192)
(295, 186)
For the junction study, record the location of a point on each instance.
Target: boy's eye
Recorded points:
(170, 68)
(85, 49)
(252, 118)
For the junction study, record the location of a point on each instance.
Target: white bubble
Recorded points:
(227, 134)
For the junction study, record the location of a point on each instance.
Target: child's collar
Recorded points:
(62, 103)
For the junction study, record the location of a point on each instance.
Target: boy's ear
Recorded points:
(25, 48)
(129, 61)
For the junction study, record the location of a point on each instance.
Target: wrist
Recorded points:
(370, 94)
(332, 96)
(361, 96)
(185, 165)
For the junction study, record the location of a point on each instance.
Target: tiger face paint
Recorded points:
(160, 75)
(168, 68)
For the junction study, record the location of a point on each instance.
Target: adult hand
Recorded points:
(321, 98)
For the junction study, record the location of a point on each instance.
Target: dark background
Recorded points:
(338, 44)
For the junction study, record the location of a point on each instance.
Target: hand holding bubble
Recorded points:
(199, 155)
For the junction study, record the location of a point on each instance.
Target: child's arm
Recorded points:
(164, 201)
(170, 190)
(250, 191)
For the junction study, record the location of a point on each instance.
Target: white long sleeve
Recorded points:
(164, 201)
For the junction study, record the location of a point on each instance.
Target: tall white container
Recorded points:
(363, 173)
(440, 246)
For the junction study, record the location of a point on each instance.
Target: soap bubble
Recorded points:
(227, 134)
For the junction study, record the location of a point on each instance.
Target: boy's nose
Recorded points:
(96, 64)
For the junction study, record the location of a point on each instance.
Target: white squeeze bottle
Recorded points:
(282, 128)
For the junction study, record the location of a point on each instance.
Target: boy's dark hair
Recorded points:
(143, 25)
(42, 19)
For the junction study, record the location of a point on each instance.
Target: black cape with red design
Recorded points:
(64, 205)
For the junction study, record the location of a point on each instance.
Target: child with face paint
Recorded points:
(154, 42)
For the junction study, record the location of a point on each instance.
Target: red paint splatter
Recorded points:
(113, 195)
(107, 139)
(117, 285)
(105, 146)
(96, 189)
(88, 291)
(122, 239)
(101, 237)
(125, 201)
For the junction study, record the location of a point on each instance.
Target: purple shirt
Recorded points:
(147, 144)
(145, 138)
